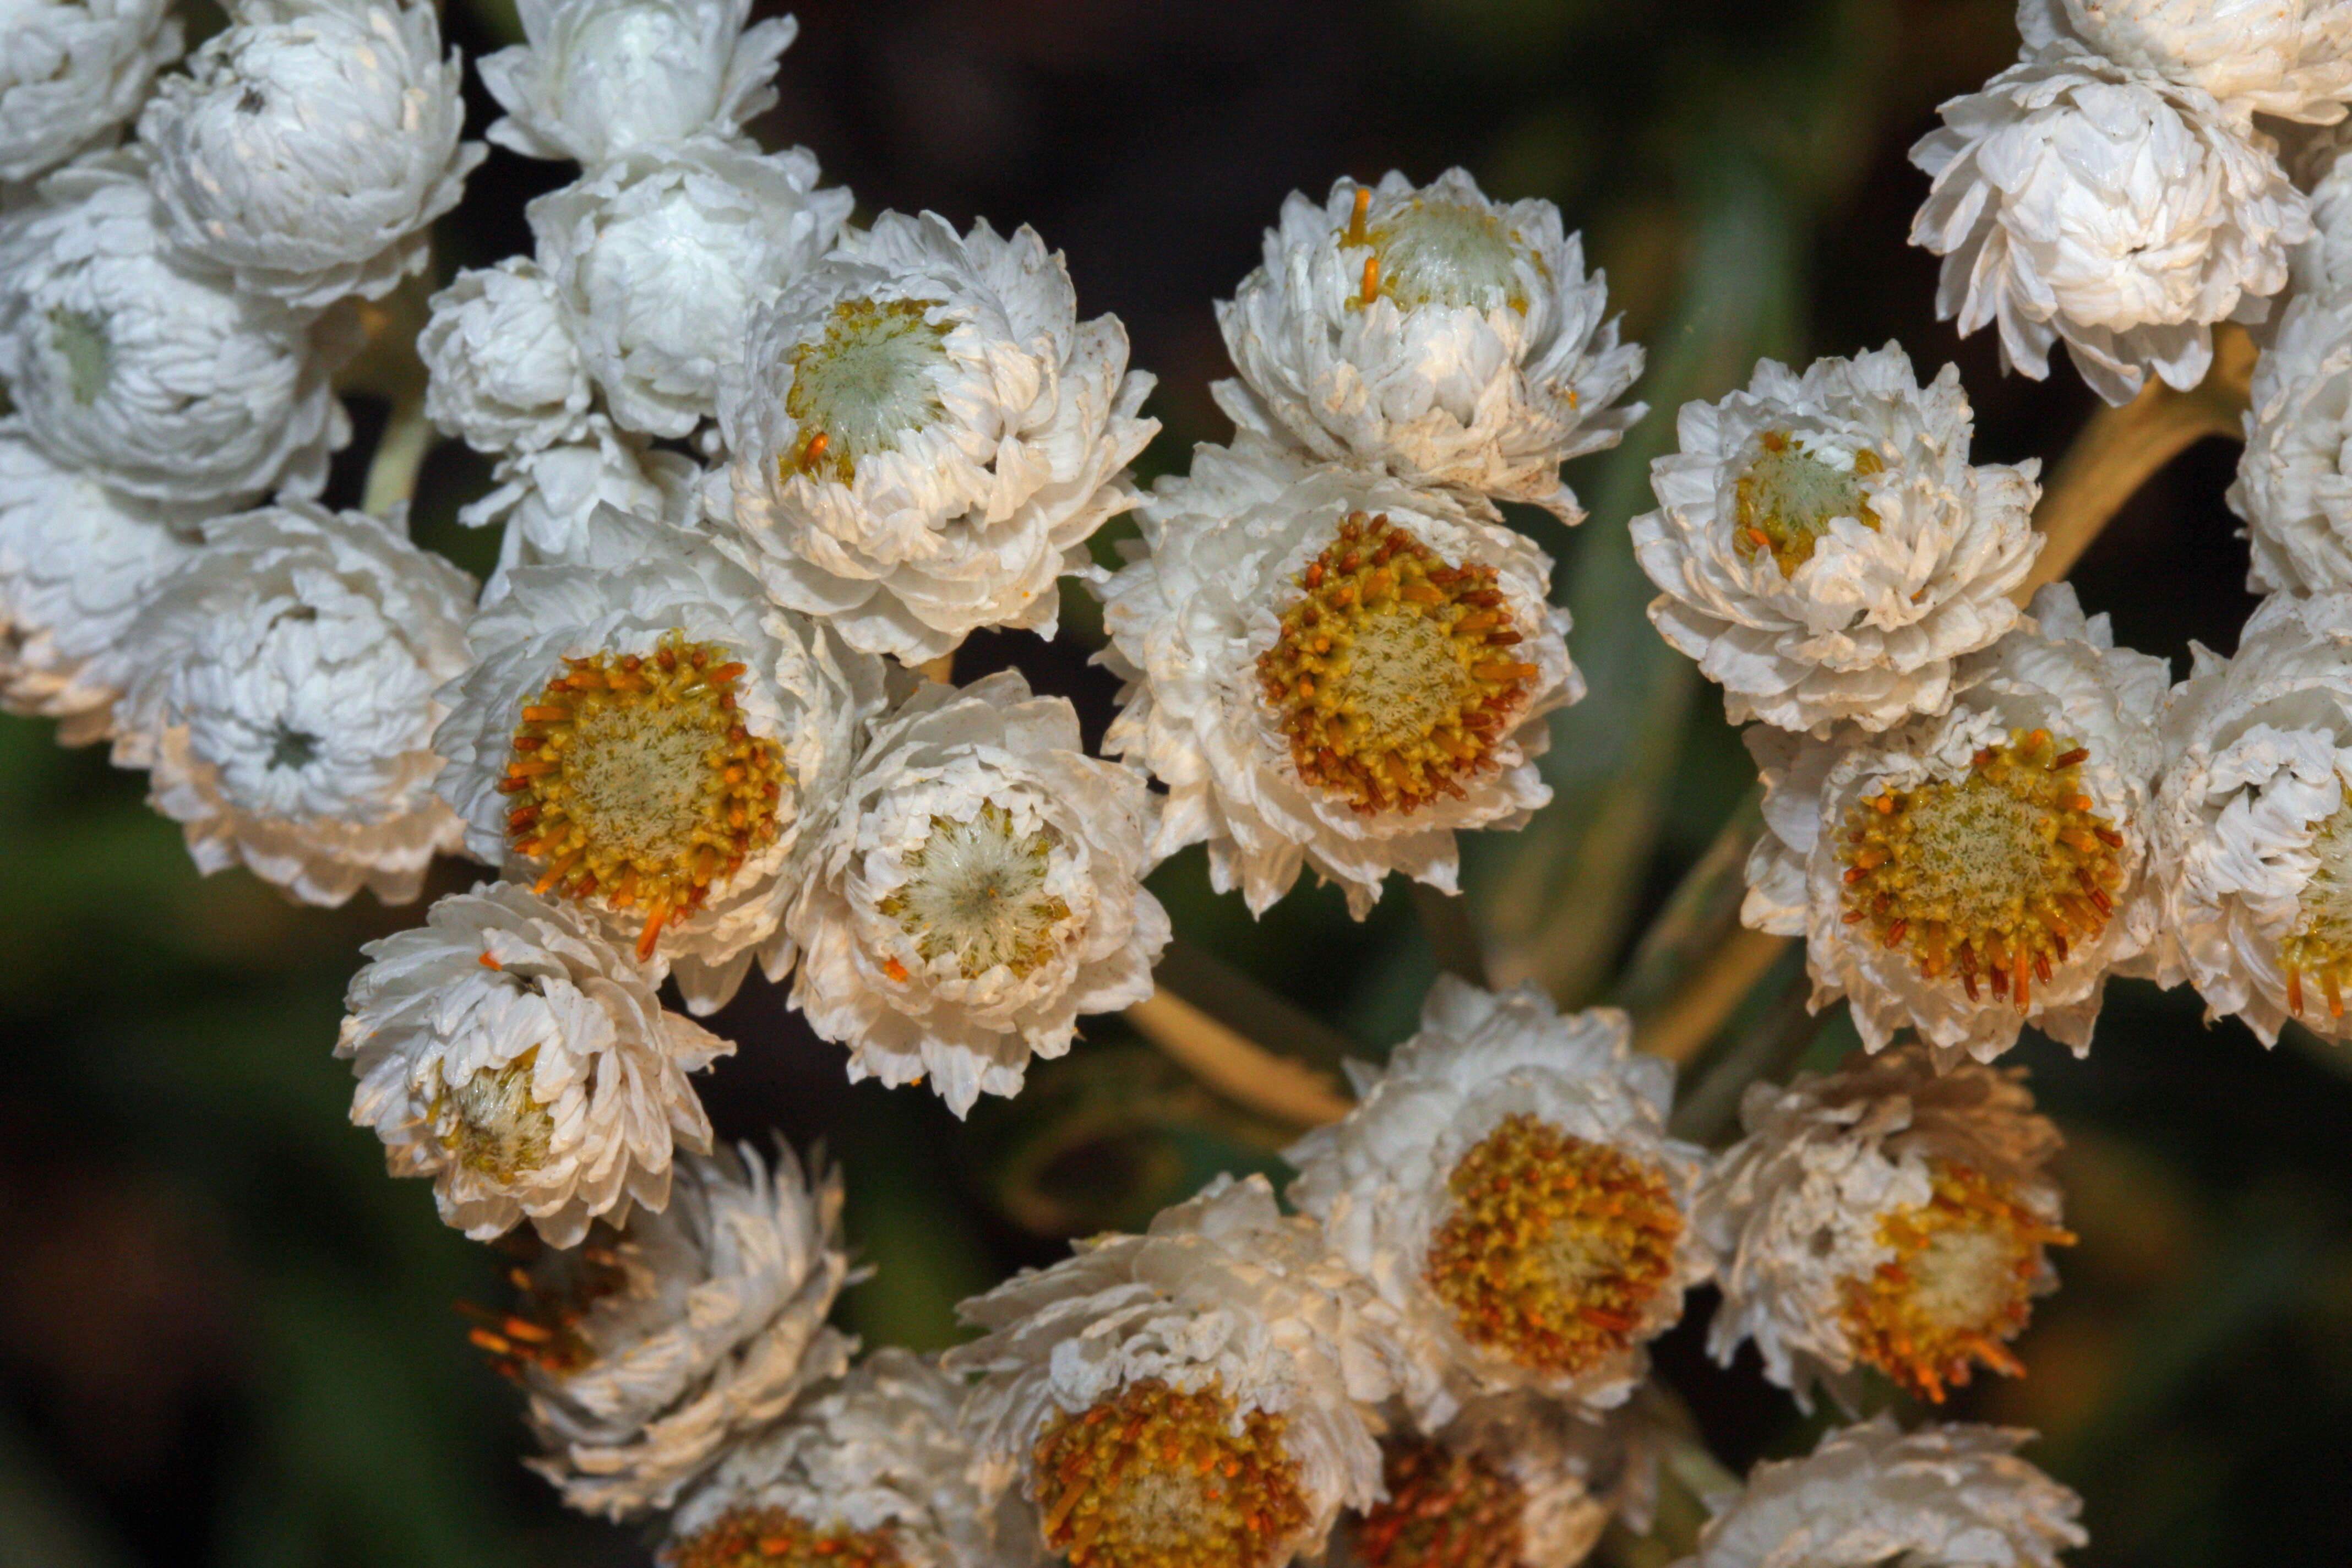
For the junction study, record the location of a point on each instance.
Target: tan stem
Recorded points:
(1690, 1018)
(1242, 1070)
(400, 456)
(939, 670)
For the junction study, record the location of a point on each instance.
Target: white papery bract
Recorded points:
(1453, 340)
(2292, 59)
(1982, 860)
(547, 499)
(661, 256)
(73, 72)
(506, 1051)
(1390, 1185)
(1823, 547)
(639, 783)
(600, 79)
(162, 383)
(77, 562)
(1199, 611)
(2323, 264)
(2076, 200)
(1952, 1496)
(502, 370)
(1795, 1213)
(281, 688)
(311, 146)
(2294, 488)
(924, 435)
(880, 1457)
(694, 1328)
(978, 888)
(1222, 1296)
(2254, 846)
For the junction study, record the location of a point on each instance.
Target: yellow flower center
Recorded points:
(636, 782)
(1554, 1247)
(1958, 1287)
(874, 379)
(1395, 675)
(2321, 942)
(489, 1124)
(555, 1289)
(1431, 252)
(976, 889)
(1157, 1479)
(2001, 869)
(1443, 1509)
(772, 1538)
(1790, 492)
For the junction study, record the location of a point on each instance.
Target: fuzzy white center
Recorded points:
(489, 1124)
(1963, 1279)
(975, 891)
(874, 379)
(1449, 254)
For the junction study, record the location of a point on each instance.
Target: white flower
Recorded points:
(1984, 869)
(1200, 1388)
(2323, 264)
(281, 689)
(924, 435)
(1824, 549)
(1453, 340)
(655, 1352)
(877, 1465)
(508, 1051)
(1328, 668)
(599, 78)
(2252, 822)
(645, 734)
(78, 561)
(661, 256)
(1949, 1496)
(164, 384)
(2292, 59)
(502, 370)
(72, 72)
(2078, 200)
(979, 886)
(1507, 1184)
(1884, 1215)
(2292, 489)
(547, 498)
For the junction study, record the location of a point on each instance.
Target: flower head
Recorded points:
(1453, 340)
(547, 499)
(2293, 487)
(1507, 1184)
(2255, 57)
(502, 370)
(281, 689)
(509, 1052)
(1983, 869)
(73, 72)
(2323, 264)
(924, 435)
(1823, 547)
(978, 888)
(1329, 669)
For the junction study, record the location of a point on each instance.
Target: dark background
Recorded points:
(226, 1339)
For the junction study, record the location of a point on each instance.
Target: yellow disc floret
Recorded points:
(1443, 1509)
(2321, 942)
(976, 889)
(1957, 1288)
(1155, 1477)
(1790, 492)
(1555, 1248)
(874, 379)
(635, 781)
(1999, 870)
(556, 1289)
(773, 1538)
(1395, 675)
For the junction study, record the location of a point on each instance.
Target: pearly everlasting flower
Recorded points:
(2323, 264)
(1977, 870)
(1195, 1394)
(1884, 1215)
(506, 1051)
(660, 258)
(74, 71)
(600, 79)
(311, 146)
(162, 384)
(978, 888)
(2293, 487)
(655, 1351)
(77, 562)
(281, 689)
(1508, 1185)
(924, 435)
(1954, 1496)
(2078, 200)
(547, 499)
(873, 1469)
(2292, 59)
(1453, 340)
(2252, 822)
(503, 372)
(643, 734)
(1823, 547)
(1331, 669)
